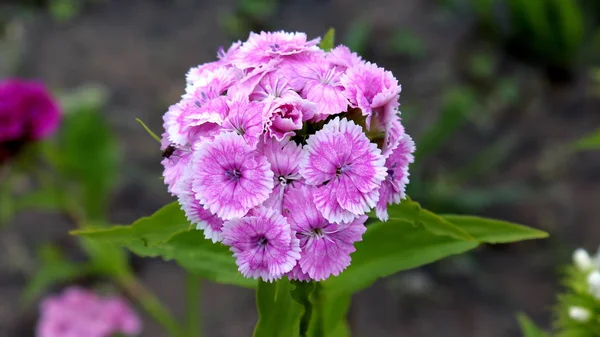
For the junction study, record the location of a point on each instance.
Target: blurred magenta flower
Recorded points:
(28, 113)
(79, 312)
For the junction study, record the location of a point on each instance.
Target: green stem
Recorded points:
(193, 293)
(150, 303)
(318, 313)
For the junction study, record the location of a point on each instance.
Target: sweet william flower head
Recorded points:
(280, 149)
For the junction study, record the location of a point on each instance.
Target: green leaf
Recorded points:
(330, 313)
(106, 258)
(589, 142)
(328, 41)
(411, 211)
(390, 247)
(341, 330)
(529, 328)
(278, 313)
(166, 234)
(494, 231)
(212, 261)
(146, 231)
(88, 156)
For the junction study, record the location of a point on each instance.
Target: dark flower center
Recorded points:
(343, 169)
(262, 241)
(318, 232)
(391, 174)
(233, 174)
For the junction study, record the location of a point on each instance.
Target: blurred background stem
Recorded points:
(150, 303)
(193, 295)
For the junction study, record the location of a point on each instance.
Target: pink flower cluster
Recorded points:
(279, 150)
(27, 113)
(81, 313)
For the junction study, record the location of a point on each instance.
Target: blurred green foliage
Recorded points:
(404, 42)
(555, 34)
(528, 327)
(248, 15)
(358, 35)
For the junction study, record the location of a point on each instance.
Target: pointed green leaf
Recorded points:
(411, 211)
(390, 247)
(166, 234)
(147, 231)
(328, 41)
(528, 328)
(278, 313)
(494, 231)
(212, 261)
(589, 142)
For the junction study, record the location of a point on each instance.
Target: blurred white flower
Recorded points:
(593, 281)
(579, 314)
(582, 259)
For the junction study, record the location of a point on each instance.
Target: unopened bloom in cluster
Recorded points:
(279, 150)
(27, 113)
(81, 313)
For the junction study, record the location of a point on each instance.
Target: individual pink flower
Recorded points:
(319, 82)
(28, 113)
(284, 158)
(246, 119)
(195, 212)
(81, 313)
(263, 244)
(346, 169)
(326, 247)
(273, 85)
(341, 56)
(392, 188)
(190, 119)
(267, 46)
(230, 177)
(198, 73)
(369, 87)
